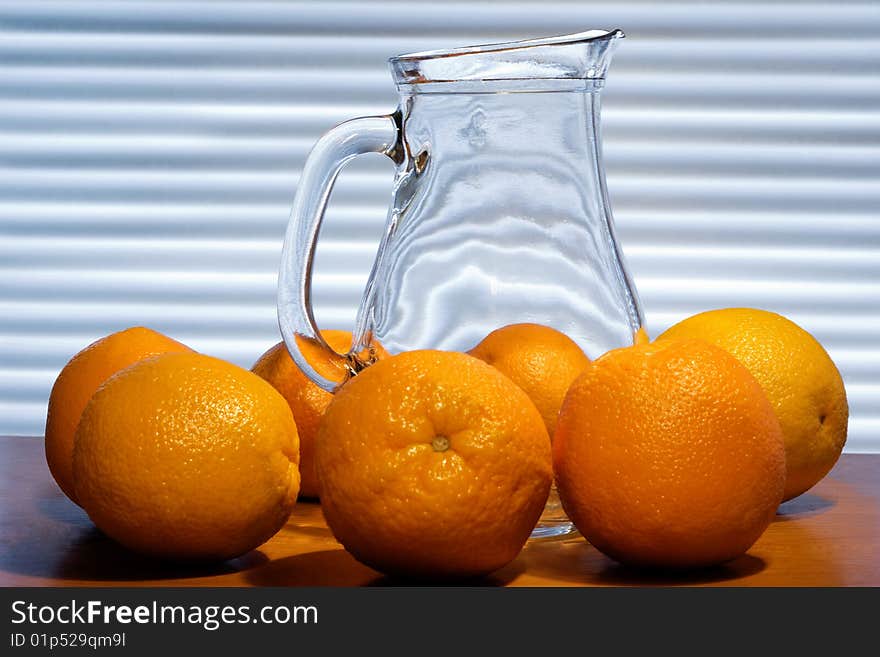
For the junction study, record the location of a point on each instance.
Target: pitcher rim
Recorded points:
(504, 46)
(579, 56)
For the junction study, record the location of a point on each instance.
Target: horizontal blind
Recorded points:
(149, 152)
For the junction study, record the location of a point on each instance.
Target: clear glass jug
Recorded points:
(499, 213)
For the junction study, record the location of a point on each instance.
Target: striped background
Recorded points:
(149, 152)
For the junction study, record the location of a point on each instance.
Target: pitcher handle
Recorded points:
(371, 134)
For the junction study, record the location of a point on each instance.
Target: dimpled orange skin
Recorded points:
(540, 360)
(307, 401)
(797, 374)
(78, 381)
(187, 457)
(669, 455)
(400, 503)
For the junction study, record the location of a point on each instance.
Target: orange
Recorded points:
(669, 454)
(307, 401)
(78, 381)
(540, 360)
(797, 374)
(184, 456)
(432, 464)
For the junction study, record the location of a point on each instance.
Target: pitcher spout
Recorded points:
(581, 56)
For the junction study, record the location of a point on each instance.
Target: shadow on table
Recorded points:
(338, 568)
(334, 567)
(55, 506)
(498, 578)
(97, 557)
(619, 575)
(576, 562)
(92, 556)
(804, 505)
(60, 542)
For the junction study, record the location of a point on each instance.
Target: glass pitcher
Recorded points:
(499, 211)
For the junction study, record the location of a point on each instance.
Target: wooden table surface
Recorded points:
(827, 537)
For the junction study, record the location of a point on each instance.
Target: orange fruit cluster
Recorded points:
(672, 453)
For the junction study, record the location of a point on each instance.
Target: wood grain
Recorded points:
(827, 537)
